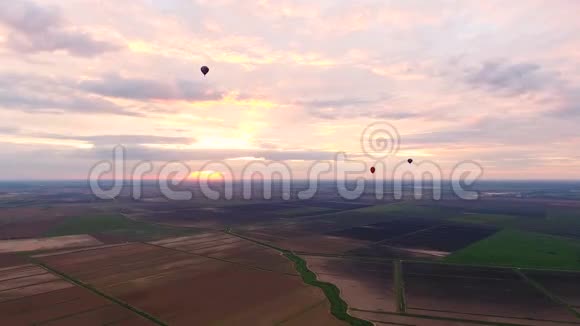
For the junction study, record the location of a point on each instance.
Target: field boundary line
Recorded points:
(338, 211)
(102, 294)
(74, 314)
(547, 293)
(301, 312)
(506, 267)
(12, 268)
(181, 238)
(32, 295)
(204, 240)
(123, 249)
(399, 286)
(133, 265)
(481, 322)
(460, 276)
(117, 321)
(19, 277)
(207, 244)
(229, 231)
(359, 257)
(174, 226)
(32, 284)
(224, 260)
(435, 262)
(72, 251)
(380, 322)
(404, 235)
(499, 316)
(64, 301)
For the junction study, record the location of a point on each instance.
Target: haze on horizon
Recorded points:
(493, 82)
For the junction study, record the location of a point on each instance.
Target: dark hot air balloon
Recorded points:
(204, 70)
(372, 169)
(410, 160)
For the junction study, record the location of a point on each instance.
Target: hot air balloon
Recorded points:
(410, 160)
(373, 169)
(204, 70)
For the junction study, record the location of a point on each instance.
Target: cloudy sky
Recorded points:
(491, 81)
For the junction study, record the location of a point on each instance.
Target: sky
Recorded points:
(493, 82)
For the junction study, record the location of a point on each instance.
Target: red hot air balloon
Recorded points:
(373, 169)
(204, 70)
(410, 160)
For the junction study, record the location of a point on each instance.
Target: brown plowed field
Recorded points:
(363, 285)
(182, 288)
(29, 294)
(232, 248)
(487, 294)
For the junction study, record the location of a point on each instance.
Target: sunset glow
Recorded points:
(290, 81)
(206, 175)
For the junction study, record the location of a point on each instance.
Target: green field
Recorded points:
(114, 225)
(566, 216)
(521, 249)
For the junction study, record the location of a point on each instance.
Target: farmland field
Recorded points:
(488, 294)
(29, 294)
(363, 285)
(49, 243)
(175, 276)
(386, 230)
(564, 285)
(444, 238)
(232, 249)
(218, 217)
(521, 249)
(489, 219)
(324, 260)
(113, 226)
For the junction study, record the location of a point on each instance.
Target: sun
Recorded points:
(206, 174)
